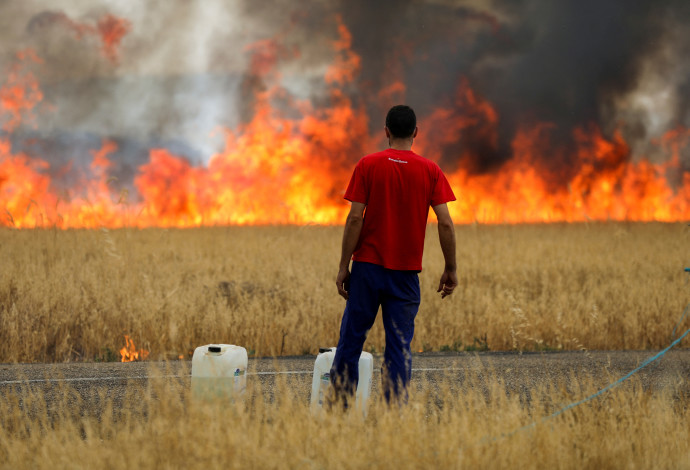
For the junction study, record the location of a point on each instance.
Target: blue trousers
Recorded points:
(397, 293)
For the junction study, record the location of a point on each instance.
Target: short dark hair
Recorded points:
(401, 121)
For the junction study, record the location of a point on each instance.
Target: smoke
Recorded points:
(615, 64)
(186, 68)
(593, 62)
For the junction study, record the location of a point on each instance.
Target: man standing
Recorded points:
(391, 192)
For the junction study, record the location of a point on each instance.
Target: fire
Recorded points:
(21, 91)
(129, 352)
(292, 167)
(110, 29)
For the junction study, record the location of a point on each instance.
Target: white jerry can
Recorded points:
(219, 370)
(322, 379)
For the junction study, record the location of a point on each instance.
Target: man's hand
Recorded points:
(343, 281)
(449, 281)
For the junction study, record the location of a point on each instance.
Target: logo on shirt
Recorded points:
(396, 161)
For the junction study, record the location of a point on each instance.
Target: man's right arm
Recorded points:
(353, 228)
(446, 235)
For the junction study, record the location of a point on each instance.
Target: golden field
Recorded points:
(474, 425)
(73, 295)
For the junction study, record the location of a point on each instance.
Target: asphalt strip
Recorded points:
(149, 377)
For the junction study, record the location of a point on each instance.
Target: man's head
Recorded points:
(401, 122)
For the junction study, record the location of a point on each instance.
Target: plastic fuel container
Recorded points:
(219, 371)
(322, 379)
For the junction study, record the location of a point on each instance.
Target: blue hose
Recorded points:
(648, 361)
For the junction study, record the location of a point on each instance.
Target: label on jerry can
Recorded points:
(240, 380)
(323, 386)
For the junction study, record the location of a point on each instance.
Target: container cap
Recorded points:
(214, 349)
(323, 350)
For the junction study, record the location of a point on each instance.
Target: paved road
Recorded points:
(520, 373)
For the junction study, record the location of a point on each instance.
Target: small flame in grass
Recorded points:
(129, 353)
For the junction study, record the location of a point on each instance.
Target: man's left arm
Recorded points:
(353, 228)
(446, 235)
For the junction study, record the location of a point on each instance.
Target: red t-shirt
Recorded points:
(398, 187)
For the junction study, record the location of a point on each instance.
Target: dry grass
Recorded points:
(73, 295)
(161, 427)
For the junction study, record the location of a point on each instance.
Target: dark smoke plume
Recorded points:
(572, 63)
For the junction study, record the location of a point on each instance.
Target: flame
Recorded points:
(110, 29)
(21, 92)
(291, 167)
(129, 352)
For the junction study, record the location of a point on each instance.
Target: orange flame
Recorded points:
(110, 29)
(21, 91)
(129, 352)
(293, 170)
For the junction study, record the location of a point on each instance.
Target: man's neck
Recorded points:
(400, 144)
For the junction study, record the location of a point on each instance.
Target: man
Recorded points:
(391, 192)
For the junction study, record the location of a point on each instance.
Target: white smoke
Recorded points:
(178, 75)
